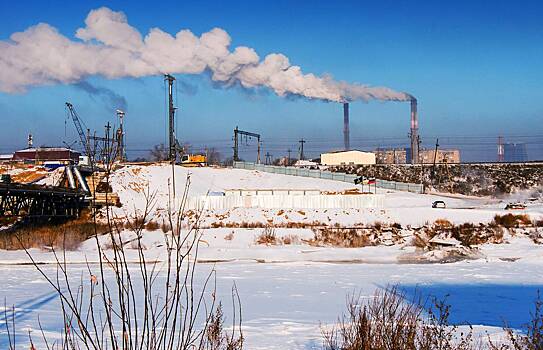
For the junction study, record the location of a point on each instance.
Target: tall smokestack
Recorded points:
(346, 126)
(414, 132)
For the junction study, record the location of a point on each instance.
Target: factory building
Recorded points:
(515, 152)
(352, 157)
(426, 156)
(42, 155)
(442, 156)
(391, 156)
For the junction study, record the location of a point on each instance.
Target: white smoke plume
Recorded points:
(108, 46)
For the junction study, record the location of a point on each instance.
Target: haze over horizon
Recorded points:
(474, 67)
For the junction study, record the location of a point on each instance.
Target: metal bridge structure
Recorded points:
(35, 201)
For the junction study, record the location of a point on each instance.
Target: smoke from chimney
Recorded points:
(110, 47)
(346, 140)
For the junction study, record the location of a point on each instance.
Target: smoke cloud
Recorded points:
(113, 100)
(108, 46)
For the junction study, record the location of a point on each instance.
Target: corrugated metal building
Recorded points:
(353, 157)
(426, 156)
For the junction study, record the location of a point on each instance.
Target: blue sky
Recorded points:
(475, 67)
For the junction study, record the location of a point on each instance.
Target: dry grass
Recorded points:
(267, 237)
(512, 220)
(134, 224)
(68, 235)
(468, 234)
(152, 226)
(443, 224)
(340, 237)
(218, 224)
(290, 239)
(390, 321)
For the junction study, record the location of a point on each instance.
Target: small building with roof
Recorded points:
(351, 157)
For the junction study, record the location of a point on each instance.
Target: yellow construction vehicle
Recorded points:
(193, 160)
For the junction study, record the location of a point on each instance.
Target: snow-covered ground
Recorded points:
(132, 182)
(285, 305)
(288, 290)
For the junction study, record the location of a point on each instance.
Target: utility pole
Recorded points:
(107, 145)
(288, 159)
(236, 158)
(435, 158)
(171, 119)
(302, 141)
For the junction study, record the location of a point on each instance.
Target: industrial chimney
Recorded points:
(414, 132)
(346, 126)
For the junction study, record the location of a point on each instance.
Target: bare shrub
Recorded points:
(339, 237)
(136, 223)
(121, 307)
(532, 339)
(165, 227)
(217, 224)
(512, 220)
(267, 236)
(468, 234)
(152, 226)
(290, 239)
(443, 224)
(390, 321)
(229, 236)
(216, 336)
(419, 241)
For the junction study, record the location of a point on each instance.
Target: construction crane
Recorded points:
(77, 122)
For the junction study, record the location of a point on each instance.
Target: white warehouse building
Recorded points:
(352, 157)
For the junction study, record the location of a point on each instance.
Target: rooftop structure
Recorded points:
(44, 154)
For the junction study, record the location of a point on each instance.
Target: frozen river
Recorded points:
(284, 304)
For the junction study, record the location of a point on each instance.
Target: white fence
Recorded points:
(324, 174)
(291, 201)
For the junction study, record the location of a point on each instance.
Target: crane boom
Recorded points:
(80, 131)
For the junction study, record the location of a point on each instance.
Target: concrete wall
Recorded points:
(348, 157)
(287, 202)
